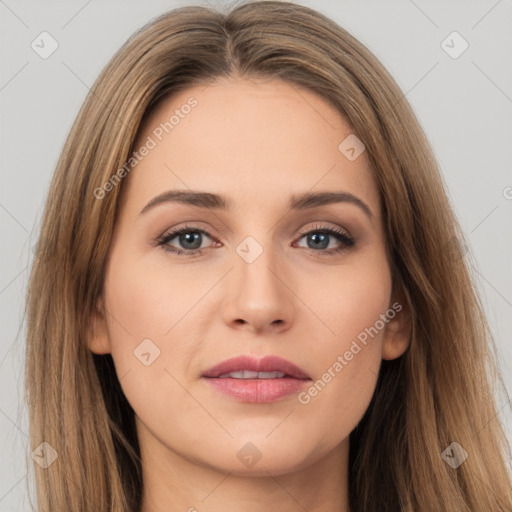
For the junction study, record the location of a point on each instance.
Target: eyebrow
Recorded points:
(303, 201)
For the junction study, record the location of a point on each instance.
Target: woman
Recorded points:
(318, 346)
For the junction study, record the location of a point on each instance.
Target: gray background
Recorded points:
(464, 105)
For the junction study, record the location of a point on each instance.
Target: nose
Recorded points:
(260, 297)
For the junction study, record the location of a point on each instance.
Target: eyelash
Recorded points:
(163, 241)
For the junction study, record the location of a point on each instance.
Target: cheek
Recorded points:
(149, 308)
(148, 298)
(150, 312)
(345, 300)
(347, 356)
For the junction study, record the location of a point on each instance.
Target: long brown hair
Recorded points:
(442, 390)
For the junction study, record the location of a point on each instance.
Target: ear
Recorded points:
(98, 338)
(397, 334)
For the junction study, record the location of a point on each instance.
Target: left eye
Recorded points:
(320, 239)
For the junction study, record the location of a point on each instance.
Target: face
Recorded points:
(259, 276)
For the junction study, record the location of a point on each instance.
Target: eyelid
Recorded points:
(323, 227)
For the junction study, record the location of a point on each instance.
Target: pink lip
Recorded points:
(265, 364)
(257, 390)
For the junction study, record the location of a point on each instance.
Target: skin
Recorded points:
(257, 142)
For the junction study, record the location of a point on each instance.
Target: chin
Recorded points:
(261, 457)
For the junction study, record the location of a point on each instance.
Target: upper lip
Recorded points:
(265, 364)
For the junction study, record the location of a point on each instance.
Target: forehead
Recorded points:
(250, 139)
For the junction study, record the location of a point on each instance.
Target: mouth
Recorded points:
(248, 374)
(252, 380)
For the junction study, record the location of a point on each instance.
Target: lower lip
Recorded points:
(259, 391)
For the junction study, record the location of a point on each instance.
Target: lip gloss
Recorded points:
(257, 390)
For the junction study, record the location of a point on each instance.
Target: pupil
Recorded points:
(188, 238)
(324, 242)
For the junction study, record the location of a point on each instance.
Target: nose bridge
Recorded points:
(258, 246)
(258, 263)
